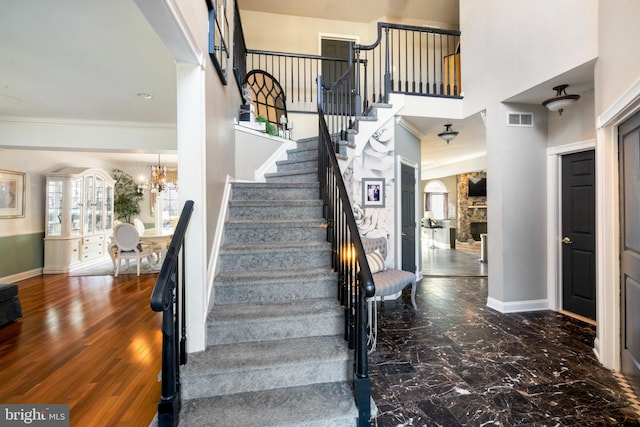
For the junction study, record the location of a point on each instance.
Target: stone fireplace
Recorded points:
(477, 228)
(472, 211)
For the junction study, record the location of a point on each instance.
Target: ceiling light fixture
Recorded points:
(561, 100)
(144, 95)
(448, 134)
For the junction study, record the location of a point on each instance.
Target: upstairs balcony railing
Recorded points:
(403, 59)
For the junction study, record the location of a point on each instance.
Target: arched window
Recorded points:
(436, 199)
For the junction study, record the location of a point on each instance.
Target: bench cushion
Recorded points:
(391, 281)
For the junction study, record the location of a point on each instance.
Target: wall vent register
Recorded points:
(520, 119)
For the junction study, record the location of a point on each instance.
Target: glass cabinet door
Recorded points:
(76, 206)
(108, 207)
(99, 205)
(54, 208)
(89, 205)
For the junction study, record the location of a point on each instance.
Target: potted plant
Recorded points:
(127, 197)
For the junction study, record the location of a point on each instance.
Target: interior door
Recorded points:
(408, 215)
(333, 70)
(578, 234)
(629, 165)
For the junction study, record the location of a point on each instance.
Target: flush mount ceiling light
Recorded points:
(144, 95)
(448, 134)
(561, 100)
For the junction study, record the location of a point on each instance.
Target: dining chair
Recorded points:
(139, 225)
(127, 240)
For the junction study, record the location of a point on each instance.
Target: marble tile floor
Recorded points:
(456, 362)
(452, 262)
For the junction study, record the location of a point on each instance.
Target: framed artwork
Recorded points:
(12, 192)
(373, 192)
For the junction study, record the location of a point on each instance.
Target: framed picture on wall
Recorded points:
(373, 192)
(12, 191)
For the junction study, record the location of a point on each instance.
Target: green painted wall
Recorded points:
(21, 253)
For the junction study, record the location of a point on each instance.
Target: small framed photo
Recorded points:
(373, 192)
(12, 192)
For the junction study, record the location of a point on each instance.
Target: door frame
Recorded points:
(607, 346)
(554, 217)
(333, 36)
(398, 212)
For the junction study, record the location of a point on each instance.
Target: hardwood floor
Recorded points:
(91, 342)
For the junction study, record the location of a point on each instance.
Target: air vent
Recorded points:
(520, 119)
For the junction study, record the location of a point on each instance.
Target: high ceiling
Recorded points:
(83, 60)
(89, 60)
(444, 11)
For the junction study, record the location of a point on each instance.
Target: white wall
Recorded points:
(503, 57)
(618, 66)
(511, 46)
(36, 164)
(575, 124)
(516, 199)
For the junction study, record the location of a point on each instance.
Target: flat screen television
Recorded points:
(477, 189)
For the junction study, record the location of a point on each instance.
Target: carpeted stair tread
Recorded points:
(294, 172)
(248, 277)
(271, 185)
(270, 247)
(248, 313)
(282, 354)
(276, 203)
(275, 223)
(318, 405)
(275, 286)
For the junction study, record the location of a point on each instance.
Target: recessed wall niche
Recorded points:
(472, 210)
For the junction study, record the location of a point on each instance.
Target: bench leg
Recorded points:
(413, 295)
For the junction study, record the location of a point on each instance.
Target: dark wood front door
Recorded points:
(629, 157)
(408, 185)
(578, 234)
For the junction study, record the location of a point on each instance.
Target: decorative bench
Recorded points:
(10, 308)
(388, 281)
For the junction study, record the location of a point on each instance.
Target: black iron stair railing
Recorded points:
(168, 297)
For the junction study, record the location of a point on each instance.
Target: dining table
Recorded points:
(159, 240)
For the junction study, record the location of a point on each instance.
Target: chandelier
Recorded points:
(158, 181)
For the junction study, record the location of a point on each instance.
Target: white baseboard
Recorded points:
(21, 276)
(518, 306)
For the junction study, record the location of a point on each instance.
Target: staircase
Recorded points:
(276, 354)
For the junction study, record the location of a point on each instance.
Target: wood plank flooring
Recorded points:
(91, 342)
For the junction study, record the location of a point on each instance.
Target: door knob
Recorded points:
(566, 240)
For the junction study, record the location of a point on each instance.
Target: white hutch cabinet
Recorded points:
(79, 218)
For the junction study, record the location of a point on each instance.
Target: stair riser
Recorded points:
(301, 164)
(266, 213)
(274, 235)
(238, 293)
(274, 261)
(265, 379)
(308, 144)
(271, 329)
(260, 193)
(302, 154)
(297, 178)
